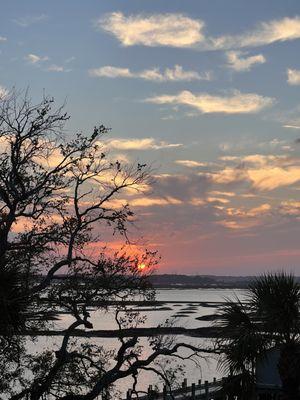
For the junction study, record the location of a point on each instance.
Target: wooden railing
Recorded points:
(200, 391)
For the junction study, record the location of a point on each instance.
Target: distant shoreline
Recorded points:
(213, 286)
(202, 332)
(172, 281)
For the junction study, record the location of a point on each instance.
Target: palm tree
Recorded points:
(275, 300)
(241, 345)
(269, 317)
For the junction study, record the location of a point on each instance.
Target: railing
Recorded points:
(206, 391)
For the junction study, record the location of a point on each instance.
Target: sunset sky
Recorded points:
(207, 92)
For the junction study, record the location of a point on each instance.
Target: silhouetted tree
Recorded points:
(57, 197)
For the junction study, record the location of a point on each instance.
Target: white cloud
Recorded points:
(3, 39)
(110, 72)
(57, 68)
(178, 30)
(175, 30)
(174, 74)
(291, 126)
(190, 163)
(140, 144)
(39, 61)
(70, 59)
(293, 76)
(238, 61)
(28, 20)
(235, 103)
(280, 30)
(35, 59)
(229, 158)
(168, 118)
(177, 73)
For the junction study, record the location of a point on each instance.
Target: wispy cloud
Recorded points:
(70, 59)
(238, 60)
(3, 39)
(155, 201)
(288, 117)
(190, 163)
(110, 72)
(39, 61)
(140, 144)
(57, 68)
(240, 224)
(177, 73)
(264, 33)
(291, 126)
(237, 218)
(34, 59)
(293, 76)
(178, 30)
(234, 103)
(222, 194)
(290, 208)
(175, 30)
(28, 20)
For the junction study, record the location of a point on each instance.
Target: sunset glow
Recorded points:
(141, 266)
(205, 93)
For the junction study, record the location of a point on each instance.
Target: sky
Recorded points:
(206, 92)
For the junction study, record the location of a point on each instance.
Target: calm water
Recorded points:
(183, 307)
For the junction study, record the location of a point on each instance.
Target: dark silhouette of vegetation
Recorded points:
(56, 199)
(269, 318)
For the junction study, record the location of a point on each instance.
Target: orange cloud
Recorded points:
(263, 172)
(270, 178)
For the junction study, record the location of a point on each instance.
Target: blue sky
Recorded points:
(208, 92)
